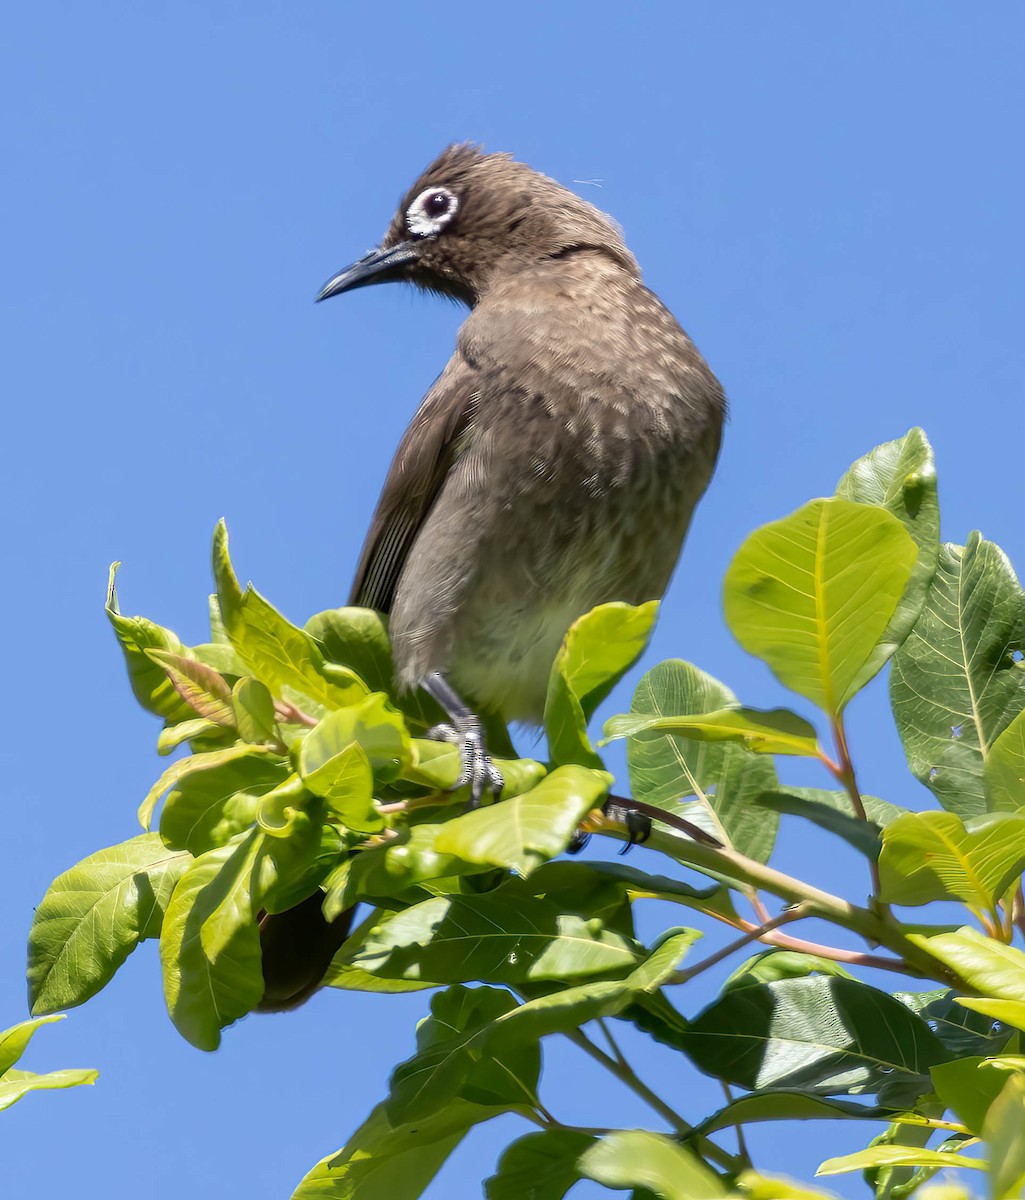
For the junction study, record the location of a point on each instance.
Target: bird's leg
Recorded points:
(466, 732)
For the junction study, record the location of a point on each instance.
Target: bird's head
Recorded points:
(472, 216)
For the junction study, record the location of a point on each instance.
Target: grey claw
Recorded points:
(478, 773)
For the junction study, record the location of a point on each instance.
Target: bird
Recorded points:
(554, 465)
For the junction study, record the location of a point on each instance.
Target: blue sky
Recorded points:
(829, 197)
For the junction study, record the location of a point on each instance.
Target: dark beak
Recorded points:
(383, 265)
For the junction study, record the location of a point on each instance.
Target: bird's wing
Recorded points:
(422, 461)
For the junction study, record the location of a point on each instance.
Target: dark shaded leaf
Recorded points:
(540, 1166)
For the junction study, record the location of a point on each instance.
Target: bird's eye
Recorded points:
(437, 203)
(431, 211)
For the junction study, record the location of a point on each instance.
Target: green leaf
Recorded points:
(14, 1041)
(382, 1161)
(172, 736)
(385, 872)
(897, 1156)
(954, 684)
(152, 688)
(342, 974)
(275, 651)
(812, 594)
(1003, 775)
(968, 1086)
(350, 751)
(961, 1032)
(1011, 1012)
(540, 1166)
(635, 1158)
(756, 1186)
(208, 807)
(494, 938)
(776, 731)
(821, 1034)
(1004, 1133)
(597, 651)
(94, 915)
(357, 638)
(935, 856)
(900, 476)
(833, 811)
(987, 966)
(205, 994)
(451, 1060)
(253, 706)
(523, 832)
(770, 965)
(201, 687)
(786, 1104)
(665, 768)
(194, 763)
(570, 1008)
(16, 1084)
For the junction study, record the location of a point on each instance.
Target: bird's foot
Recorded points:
(478, 772)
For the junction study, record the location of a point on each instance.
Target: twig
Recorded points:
(681, 824)
(754, 934)
(625, 1073)
(844, 772)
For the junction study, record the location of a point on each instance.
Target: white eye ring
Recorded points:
(431, 211)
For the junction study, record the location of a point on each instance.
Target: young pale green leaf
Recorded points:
(382, 1161)
(898, 1156)
(1003, 775)
(833, 811)
(208, 807)
(372, 724)
(968, 1086)
(666, 768)
(172, 736)
(204, 996)
(935, 856)
(597, 651)
(540, 1166)
(275, 651)
(202, 688)
(494, 938)
(988, 966)
(14, 1041)
(94, 915)
(787, 1104)
(900, 476)
(811, 595)
(523, 832)
(345, 781)
(253, 708)
(776, 731)
(149, 681)
(16, 1084)
(357, 638)
(451, 1060)
(954, 684)
(635, 1158)
(198, 762)
(754, 1185)
(1004, 1133)
(820, 1034)
(1010, 1012)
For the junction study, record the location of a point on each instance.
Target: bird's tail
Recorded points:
(297, 947)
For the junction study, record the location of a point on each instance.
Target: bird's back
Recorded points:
(588, 430)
